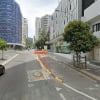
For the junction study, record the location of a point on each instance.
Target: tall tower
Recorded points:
(10, 22)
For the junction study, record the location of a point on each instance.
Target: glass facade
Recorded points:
(10, 22)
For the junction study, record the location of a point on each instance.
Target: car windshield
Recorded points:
(49, 49)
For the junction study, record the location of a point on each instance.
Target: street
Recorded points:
(25, 79)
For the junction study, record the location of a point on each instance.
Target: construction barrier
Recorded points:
(40, 52)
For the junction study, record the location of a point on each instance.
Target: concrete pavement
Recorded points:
(92, 71)
(8, 56)
(26, 80)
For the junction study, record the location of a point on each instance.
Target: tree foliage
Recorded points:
(3, 46)
(79, 37)
(29, 42)
(41, 40)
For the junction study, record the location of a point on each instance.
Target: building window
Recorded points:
(96, 27)
(64, 22)
(56, 22)
(70, 6)
(56, 15)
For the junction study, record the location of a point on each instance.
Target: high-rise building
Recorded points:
(66, 11)
(86, 4)
(10, 22)
(24, 31)
(45, 23)
(92, 17)
(37, 27)
(42, 25)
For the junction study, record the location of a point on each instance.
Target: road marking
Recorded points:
(58, 89)
(37, 75)
(97, 85)
(45, 74)
(30, 85)
(4, 63)
(90, 88)
(79, 92)
(62, 96)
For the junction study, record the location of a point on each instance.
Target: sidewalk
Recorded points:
(92, 71)
(8, 56)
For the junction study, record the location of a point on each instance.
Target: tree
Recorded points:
(3, 46)
(29, 42)
(42, 39)
(79, 37)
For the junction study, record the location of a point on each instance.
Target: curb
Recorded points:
(94, 77)
(7, 61)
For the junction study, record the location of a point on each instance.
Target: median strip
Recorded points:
(45, 67)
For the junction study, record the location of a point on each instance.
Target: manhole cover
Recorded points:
(37, 73)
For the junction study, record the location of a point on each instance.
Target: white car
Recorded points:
(2, 69)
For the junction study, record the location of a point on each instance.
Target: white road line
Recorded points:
(62, 96)
(4, 63)
(79, 92)
(44, 74)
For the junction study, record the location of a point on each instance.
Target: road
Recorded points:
(25, 79)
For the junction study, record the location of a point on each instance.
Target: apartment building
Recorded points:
(24, 31)
(45, 23)
(37, 27)
(42, 24)
(92, 17)
(67, 10)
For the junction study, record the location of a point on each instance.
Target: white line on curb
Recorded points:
(4, 63)
(79, 92)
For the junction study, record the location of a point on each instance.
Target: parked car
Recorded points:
(2, 69)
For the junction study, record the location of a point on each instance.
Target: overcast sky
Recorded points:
(36, 8)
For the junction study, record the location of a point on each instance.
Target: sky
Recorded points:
(36, 8)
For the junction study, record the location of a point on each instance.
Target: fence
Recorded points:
(80, 61)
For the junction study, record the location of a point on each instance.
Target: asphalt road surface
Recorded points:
(25, 79)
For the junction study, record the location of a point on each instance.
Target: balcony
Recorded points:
(92, 13)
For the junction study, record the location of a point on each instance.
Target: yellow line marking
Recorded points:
(43, 66)
(56, 77)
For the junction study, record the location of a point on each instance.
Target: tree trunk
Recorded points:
(77, 59)
(2, 54)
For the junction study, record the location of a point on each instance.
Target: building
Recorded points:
(67, 10)
(42, 24)
(45, 23)
(86, 4)
(24, 31)
(11, 22)
(92, 17)
(38, 27)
